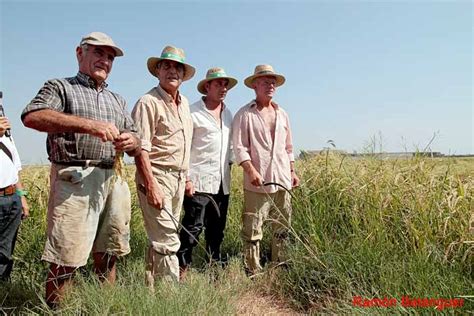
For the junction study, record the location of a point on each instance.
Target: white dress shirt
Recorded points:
(8, 168)
(211, 152)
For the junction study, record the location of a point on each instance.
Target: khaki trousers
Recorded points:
(260, 207)
(162, 230)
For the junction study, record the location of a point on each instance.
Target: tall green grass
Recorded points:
(361, 227)
(211, 292)
(381, 228)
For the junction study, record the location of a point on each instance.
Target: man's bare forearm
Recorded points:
(142, 161)
(51, 121)
(247, 166)
(19, 185)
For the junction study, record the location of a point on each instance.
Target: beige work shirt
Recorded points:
(165, 129)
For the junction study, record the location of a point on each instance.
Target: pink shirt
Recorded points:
(253, 141)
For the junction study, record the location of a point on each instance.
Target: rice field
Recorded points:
(363, 230)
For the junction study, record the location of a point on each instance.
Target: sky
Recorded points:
(396, 74)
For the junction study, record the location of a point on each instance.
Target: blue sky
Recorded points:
(400, 71)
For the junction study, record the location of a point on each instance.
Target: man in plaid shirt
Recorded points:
(89, 205)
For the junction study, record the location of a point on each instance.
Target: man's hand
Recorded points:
(126, 142)
(104, 130)
(25, 208)
(255, 178)
(155, 196)
(189, 188)
(295, 181)
(4, 125)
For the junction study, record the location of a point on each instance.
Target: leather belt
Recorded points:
(9, 190)
(104, 164)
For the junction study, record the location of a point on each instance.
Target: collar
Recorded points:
(203, 104)
(166, 96)
(253, 103)
(87, 81)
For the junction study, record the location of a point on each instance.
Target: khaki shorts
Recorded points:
(89, 209)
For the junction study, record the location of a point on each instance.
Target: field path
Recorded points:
(253, 303)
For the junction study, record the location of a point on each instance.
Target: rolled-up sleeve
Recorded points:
(144, 117)
(16, 157)
(288, 140)
(128, 124)
(49, 97)
(240, 138)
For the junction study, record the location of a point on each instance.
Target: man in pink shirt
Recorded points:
(263, 147)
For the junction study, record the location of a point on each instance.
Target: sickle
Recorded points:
(278, 185)
(213, 202)
(177, 224)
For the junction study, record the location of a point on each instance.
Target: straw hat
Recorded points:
(264, 70)
(101, 39)
(175, 54)
(215, 73)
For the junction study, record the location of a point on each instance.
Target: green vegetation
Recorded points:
(361, 227)
(382, 228)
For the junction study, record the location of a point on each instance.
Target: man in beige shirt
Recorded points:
(165, 125)
(263, 147)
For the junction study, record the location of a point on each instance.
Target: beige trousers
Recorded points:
(260, 207)
(161, 228)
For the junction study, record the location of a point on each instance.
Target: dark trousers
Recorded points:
(10, 219)
(200, 213)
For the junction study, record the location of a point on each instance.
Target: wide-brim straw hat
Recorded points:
(175, 54)
(216, 73)
(261, 71)
(101, 39)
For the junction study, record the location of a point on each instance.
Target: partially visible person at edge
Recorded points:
(164, 122)
(13, 204)
(209, 169)
(89, 205)
(263, 147)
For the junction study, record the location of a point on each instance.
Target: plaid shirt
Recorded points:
(78, 96)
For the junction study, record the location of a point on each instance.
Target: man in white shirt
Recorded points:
(13, 204)
(209, 170)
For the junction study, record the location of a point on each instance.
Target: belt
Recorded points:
(104, 164)
(172, 170)
(9, 190)
(179, 173)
